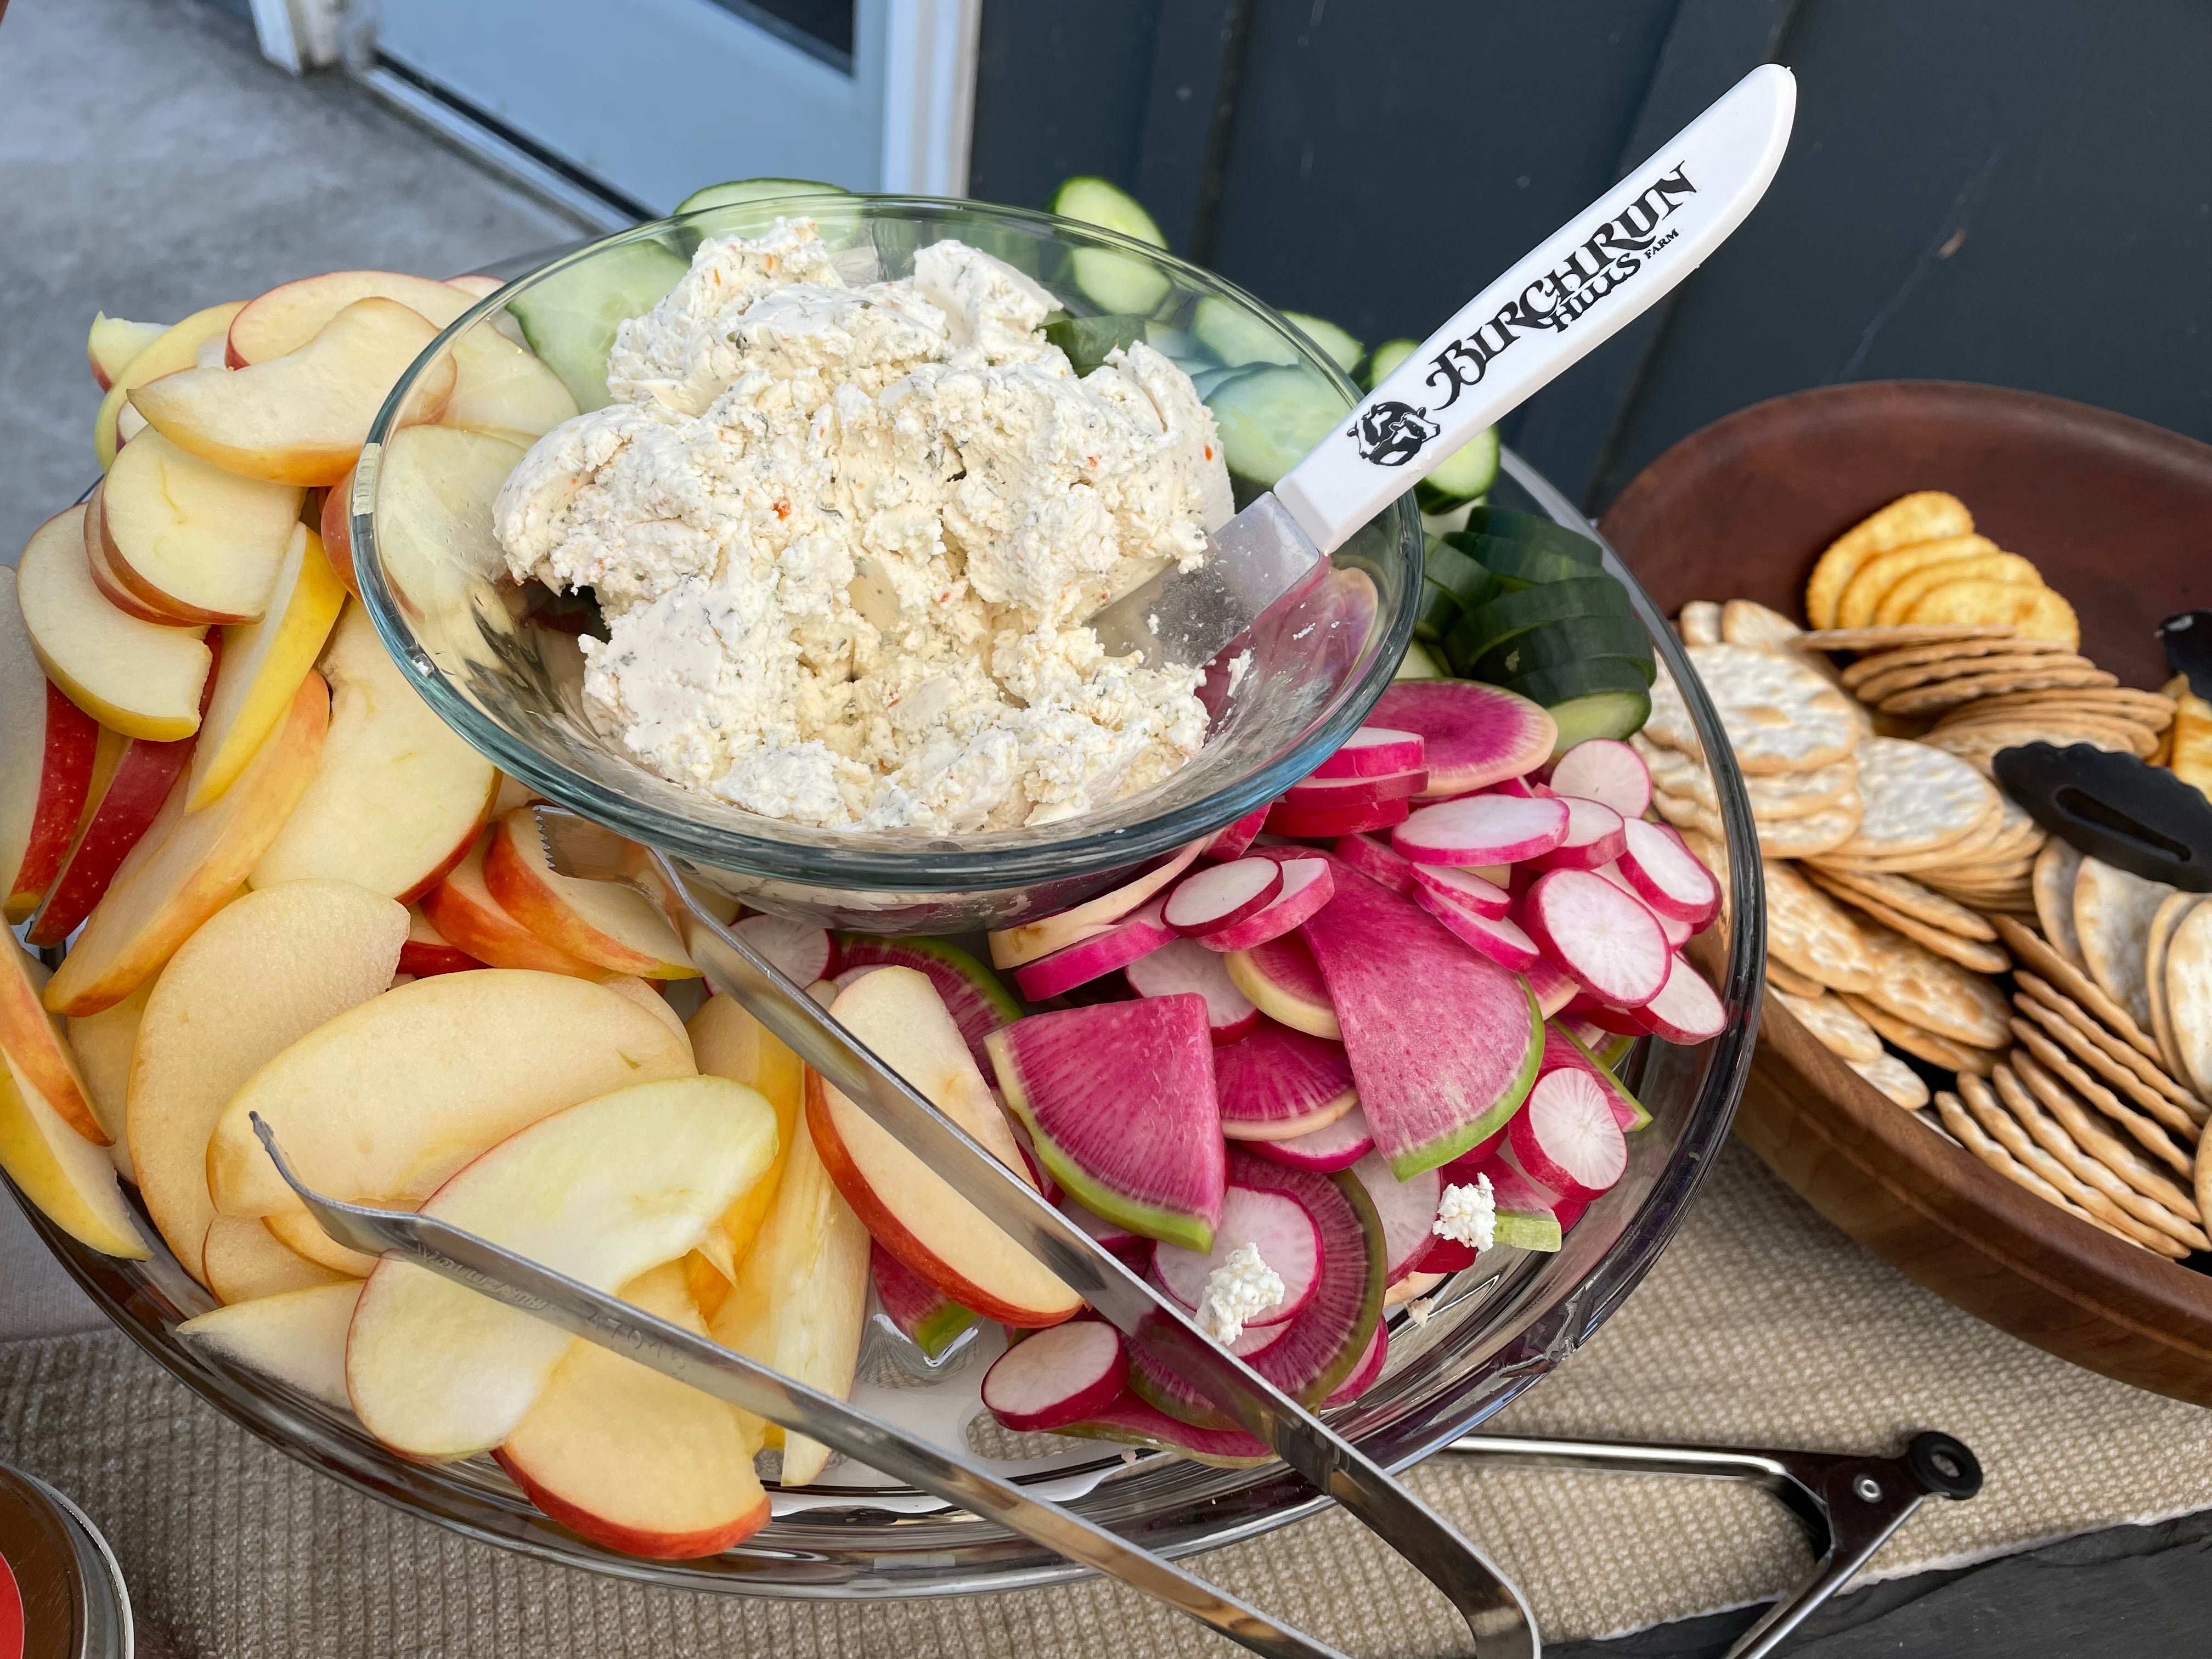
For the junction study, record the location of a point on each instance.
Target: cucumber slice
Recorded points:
(1089, 340)
(1208, 380)
(570, 320)
(1604, 697)
(1522, 564)
(1339, 347)
(1465, 473)
(1438, 615)
(1236, 336)
(1118, 282)
(1511, 615)
(1384, 358)
(1418, 664)
(1532, 527)
(1578, 639)
(1179, 347)
(1270, 417)
(736, 193)
(1465, 580)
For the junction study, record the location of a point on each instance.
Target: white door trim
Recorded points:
(929, 95)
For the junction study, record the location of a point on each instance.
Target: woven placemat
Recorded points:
(1761, 1325)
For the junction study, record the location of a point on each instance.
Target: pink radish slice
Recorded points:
(1568, 1210)
(1594, 836)
(1365, 1373)
(1498, 937)
(1220, 895)
(799, 950)
(1375, 860)
(1522, 789)
(1134, 1250)
(1132, 1422)
(1184, 965)
(1677, 933)
(1620, 1022)
(1446, 1256)
(1686, 1010)
(1606, 942)
(1471, 735)
(1318, 823)
(1307, 884)
(1283, 983)
(1354, 792)
(1668, 874)
(1566, 1048)
(1333, 1146)
(1078, 964)
(1463, 888)
(1012, 946)
(1254, 1338)
(1231, 842)
(1526, 1217)
(1374, 751)
(1279, 1084)
(1566, 1137)
(1408, 1209)
(1272, 1223)
(1482, 830)
(1553, 989)
(1605, 769)
(1053, 1377)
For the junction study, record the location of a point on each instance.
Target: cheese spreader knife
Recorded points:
(1589, 279)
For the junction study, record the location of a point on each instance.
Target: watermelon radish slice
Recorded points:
(1442, 1041)
(1308, 885)
(1133, 1251)
(1668, 875)
(1499, 937)
(1119, 1098)
(1185, 965)
(1471, 735)
(1553, 989)
(1620, 1022)
(1278, 1084)
(1272, 1223)
(1080, 963)
(1526, 1219)
(925, 1315)
(1677, 933)
(1231, 842)
(1604, 940)
(1594, 836)
(1482, 830)
(1365, 1373)
(1523, 789)
(1284, 984)
(1222, 895)
(1463, 888)
(1039, 1175)
(1323, 823)
(1131, 1422)
(1012, 946)
(1333, 1146)
(1604, 769)
(1053, 1377)
(1567, 1137)
(1407, 1209)
(1355, 792)
(1686, 1010)
(1375, 751)
(1373, 859)
(799, 950)
(979, 1005)
(1562, 1048)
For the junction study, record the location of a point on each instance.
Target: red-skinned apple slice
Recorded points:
(1012, 946)
(113, 343)
(462, 908)
(105, 576)
(187, 538)
(178, 347)
(289, 316)
(47, 744)
(336, 523)
(120, 813)
(427, 951)
(616, 927)
(33, 1040)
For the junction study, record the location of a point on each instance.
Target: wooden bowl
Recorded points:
(2119, 516)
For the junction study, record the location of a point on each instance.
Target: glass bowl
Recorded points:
(513, 688)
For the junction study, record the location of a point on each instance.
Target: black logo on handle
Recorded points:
(1391, 435)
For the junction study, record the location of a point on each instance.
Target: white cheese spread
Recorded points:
(843, 538)
(1241, 1288)
(1468, 1214)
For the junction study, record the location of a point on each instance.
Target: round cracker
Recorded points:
(2113, 909)
(1810, 834)
(2034, 952)
(1961, 653)
(1669, 723)
(2168, 917)
(1875, 688)
(1780, 715)
(1919, 1044)
(1893, 1078)
(1904, 637)
(1861, 596)
(1698, 623)
(2035, 612)
(2189, 997)
(1897, 603)
(1747, 622)
(1782, 977)
(1909, 897)
(2058, 1123)
(1775, 795)
(1967, 952)
(2144, 708)
(1916, 799)
(1982, 1101)
(1914, 983)
(1977, 742)
(1923, 516)
(1808, 932)
(2052, 882)
(2047, 1059)
(1836, 1027)
(2066, 1044)
(1968, 688)
(1976, 1140)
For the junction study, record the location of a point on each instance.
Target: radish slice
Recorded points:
(1231, 842)
(1565, 1047)
(1222, 894)
(1186, 966)
(1374, 751)
(1408, 1209)
(1605, 769)
(1365, 1373)
(1606, 942)
(1354, 792)
(1472, 734)
(799, 951)
(1285, 984)
(1307, 883)
(1374, 859)
(1677, 933)
(1526, 1218)
(1668, 875)
(1568, 1210)
(1463, 888)
(1317, 822)
(1078, 964)
(1130, 1421)
(1133, 1251)
(1482, 830)
(1552, 989)
(1499, 937)
(1051, 1379)
(1596, 835)
(1566, 1137)
(1274, 1224)
(1279, 1084)
(1334, 1147)
(1522, 789)
(1255, 1338)
(1620, 1022)
(1686, 1010)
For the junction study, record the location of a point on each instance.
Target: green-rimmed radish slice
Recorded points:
(1486, 520)
(1468, 473)
(1603, 697)
(1510, 615)
(1576, 640)
(1271, 418)
(1384, 358)
(1418, 664)
(570, 318)
(1466, 580)
(1119, 282)
(739, 192)
(1237, 335)
(1520, 563)
(1336, 344)
(1088, 341)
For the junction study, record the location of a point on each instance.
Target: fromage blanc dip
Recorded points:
(843, 537)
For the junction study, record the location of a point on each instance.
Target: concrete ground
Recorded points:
(151, 163)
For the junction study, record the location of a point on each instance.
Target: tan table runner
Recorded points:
(1762, 1324)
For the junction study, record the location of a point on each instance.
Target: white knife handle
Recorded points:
(1593, 277)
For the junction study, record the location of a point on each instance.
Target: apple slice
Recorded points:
(113, 343)
(615, 926)
(727, 1041)
(178, 347)
(289, 316)
(336, 523)
(105, 576)
(911, 1210)
(386, 1101)
(398, 798)
(68, 1178)
(302, 1234)
(502, 388)
(427, 951)
(301, 418)
(297, 1336)
(103, 1044)
(244, 1262)
(462, 908)
(636, 1460)
(140, 677)
(47, 744)
(122, 807)
(646, 994)
(258, 974)
(601, 1192)
(33, 1040)
(435, 491)
(190, 539)
(188, 864)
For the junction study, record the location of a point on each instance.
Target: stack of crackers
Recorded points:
(1918, 560)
